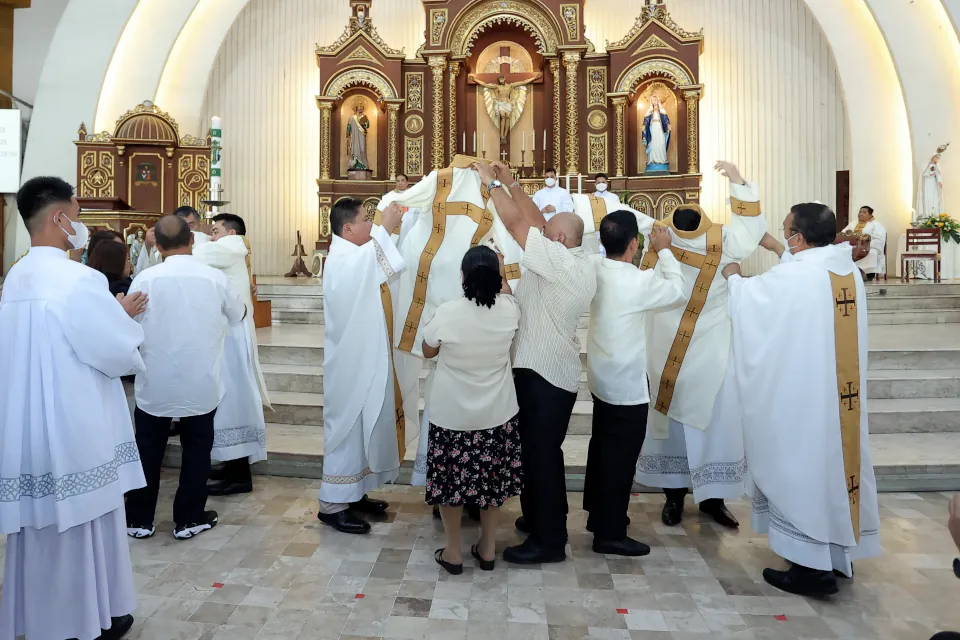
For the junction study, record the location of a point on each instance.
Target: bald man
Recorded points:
(555, 291)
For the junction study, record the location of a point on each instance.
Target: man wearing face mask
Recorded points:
(410, 214)
(812, 482)
(68, 445)
(553, 198)
(602, 190)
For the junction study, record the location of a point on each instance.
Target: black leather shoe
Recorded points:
(716, 509)
(592, 529)
(802, 581)
(436, 512)
(473, 511)
(530, 552)
(227, 488)
(119, 628)
(216, 473)
(672, 513)
(626, 547)
(521, 525)
(369, 506)
(344, 521)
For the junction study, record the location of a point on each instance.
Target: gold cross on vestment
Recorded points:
(845, 302)
(852, 395)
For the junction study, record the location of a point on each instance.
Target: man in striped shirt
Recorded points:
(556, 289)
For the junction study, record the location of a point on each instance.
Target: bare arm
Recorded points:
(527, 206)
(488, 85)
(428, 351)
(510, 214)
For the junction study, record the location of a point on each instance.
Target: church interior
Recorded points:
(277, 109)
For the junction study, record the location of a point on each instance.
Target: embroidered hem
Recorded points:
(72, 484)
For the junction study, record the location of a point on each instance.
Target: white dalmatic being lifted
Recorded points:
(239, 436)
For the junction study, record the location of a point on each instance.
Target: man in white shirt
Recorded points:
(239, 432)
(410, 214)
(800, 363)
(68, 449)
(191, 309)
(363, 420)
(617, 373)
(150, 255)
(553, 198)
(875, 262)
(601, 189)
(553, 293)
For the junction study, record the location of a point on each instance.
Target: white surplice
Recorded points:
(361, 452)
(151, 257)
(239, 429)
(556, 196)
(874, 261)
(67, 449)
(583, 206)
(699, 445)
(409, 216)
(784, 353)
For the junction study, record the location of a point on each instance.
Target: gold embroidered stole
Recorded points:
(859, 227)
(598, 207)
(846, 338)
(246, 243)
(387, 301)
(708, 266)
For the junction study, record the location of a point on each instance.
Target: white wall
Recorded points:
(33, 30)
(772, 101)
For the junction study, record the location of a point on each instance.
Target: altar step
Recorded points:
(293, 300)
(900, 303)
(902, 462)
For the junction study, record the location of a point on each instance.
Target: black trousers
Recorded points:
(544, 417)
(196, 440)
(615, 442)
(236, 471)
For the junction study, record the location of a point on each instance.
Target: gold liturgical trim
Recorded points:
(598, 207)
(745, 209)
(689, 258)
(688, 323)
(512, 271)
(387, 301)
(846, 336)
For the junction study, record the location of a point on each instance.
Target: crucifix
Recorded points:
(505, 109)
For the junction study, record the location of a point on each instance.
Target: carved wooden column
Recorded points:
(571, 62)
(692, 97)
(393, 111)
(555, 72)
(620, 108)
(452, 90)
(437, 65)
(326, 109)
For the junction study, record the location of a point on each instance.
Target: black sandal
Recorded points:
(452, 569)
(485, 565)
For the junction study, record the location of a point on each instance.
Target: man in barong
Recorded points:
(239, 432)
(363, 421)
(67, 448)
(696, 440)
(800, 363)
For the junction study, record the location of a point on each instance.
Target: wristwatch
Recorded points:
(494, 185)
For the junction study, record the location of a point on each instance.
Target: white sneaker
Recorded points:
(140, 532)
(187, 531)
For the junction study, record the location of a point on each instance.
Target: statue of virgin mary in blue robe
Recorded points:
(656, 137)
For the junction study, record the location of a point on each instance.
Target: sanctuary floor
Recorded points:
(270, 571)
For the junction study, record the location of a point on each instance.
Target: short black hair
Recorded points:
(344, 212)
(172, 232)
(815, 222)
(685, 218)
(402, 175)
(186, 211)
(232, 221)
(617, 230)
(550, 170)
(601, 175)
(39, 193)
(869, 209)
(99, 236)
(481, 275)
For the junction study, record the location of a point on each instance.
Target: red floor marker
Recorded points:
(621, 610)
(359, 596)
(781, 618)
(217, 585)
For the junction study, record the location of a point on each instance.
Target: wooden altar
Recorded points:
(586, 110)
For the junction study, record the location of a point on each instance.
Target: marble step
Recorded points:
(928, 316)
(271, 287)
(296, 316)
(915, 415)
(896, 288)
(902, 462)
(297, 303)
(916, 383)
(912, 303)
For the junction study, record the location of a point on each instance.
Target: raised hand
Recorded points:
(392, 215)
(730, 171)
(504, 172)
(660, 239)
(134, 304)
(487, 173)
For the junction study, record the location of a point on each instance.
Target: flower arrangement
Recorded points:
(948, 227)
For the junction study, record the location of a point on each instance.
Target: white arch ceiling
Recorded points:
(104, 80)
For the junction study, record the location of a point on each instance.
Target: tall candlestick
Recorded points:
(474, 143)
(463, 146)
(216, 190)
(484, 141)
(544, 139)
(533, 142)
(523, 142)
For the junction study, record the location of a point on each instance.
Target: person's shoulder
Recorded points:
(507, 304)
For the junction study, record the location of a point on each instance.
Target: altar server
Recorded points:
(67, 449)
(150, 256)
(410, 214)
(617, 373)
(553, 198)
(602, 190)
(800, 357)
(697, 442)
(239, 432)
(191, 309)
(363, 421)
(875, 262)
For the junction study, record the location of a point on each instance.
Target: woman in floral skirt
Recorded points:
(473, 455)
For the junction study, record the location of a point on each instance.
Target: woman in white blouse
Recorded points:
(473, 455)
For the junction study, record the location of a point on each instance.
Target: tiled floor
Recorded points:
(270, 571)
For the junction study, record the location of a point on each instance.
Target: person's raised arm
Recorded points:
(527, 206)
(510, 214)
(504, 283)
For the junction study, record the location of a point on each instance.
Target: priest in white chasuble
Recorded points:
(150, 255)
(67, 447)
(363, 422)
(800, 362)
(239, 432)
(696, 440)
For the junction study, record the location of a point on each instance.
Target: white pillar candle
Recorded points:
(216, 192)
(579, 183)
(523, 142)
(463, 145)
(544, 139)
(484, 141)
(533, 141)
(474, 143)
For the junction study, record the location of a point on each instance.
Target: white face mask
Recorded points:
(786, 243)
(78, 239)
(550, 181)
(601, 186)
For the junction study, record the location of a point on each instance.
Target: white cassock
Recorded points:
(409, 216)
(696, 438)
(873, 262)
(238, 427)
(360, 422)
(467, 219)
(785, 352)
(67, 449)
(557, 196)
(151, 257)
(593, 209)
